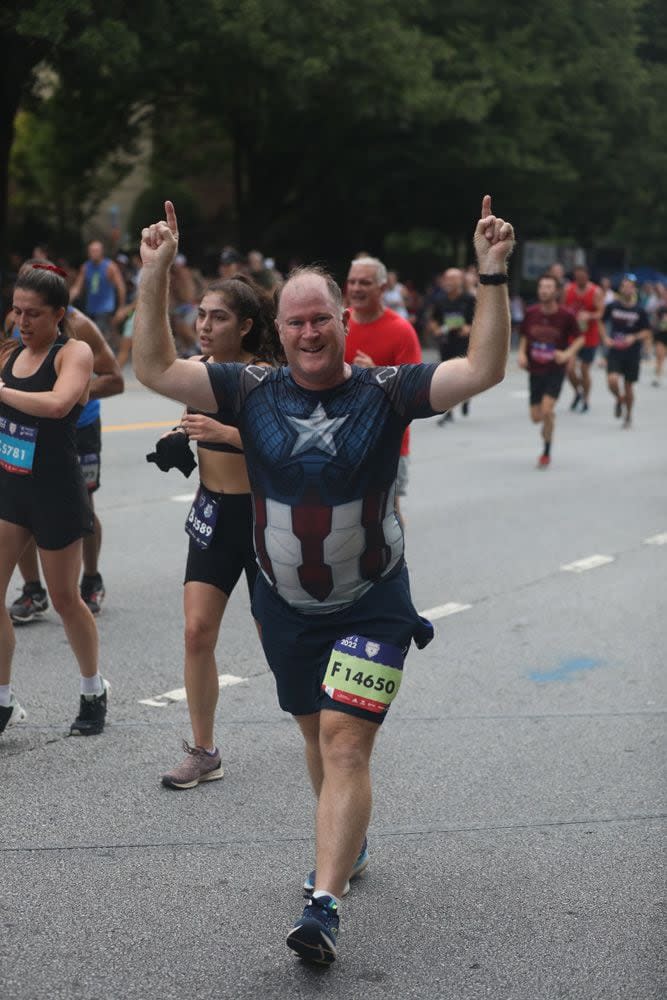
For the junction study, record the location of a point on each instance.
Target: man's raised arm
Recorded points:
(153, 353)
(484, 366)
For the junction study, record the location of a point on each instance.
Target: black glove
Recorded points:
(173, 452)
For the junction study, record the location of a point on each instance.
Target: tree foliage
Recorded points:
(320, 128)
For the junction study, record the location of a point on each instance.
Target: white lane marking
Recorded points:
(183, 498)
(179, 694)
(591, 562)
(443, 610)
(657, 539)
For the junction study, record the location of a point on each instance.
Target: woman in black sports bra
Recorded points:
(235, 323)
(44, 383)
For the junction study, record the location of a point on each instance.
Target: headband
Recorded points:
(50, 267)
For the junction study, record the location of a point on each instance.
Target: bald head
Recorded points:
(312, 325)
(452, 281)
(303, 282)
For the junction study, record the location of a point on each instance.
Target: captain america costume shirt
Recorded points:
(322, 467)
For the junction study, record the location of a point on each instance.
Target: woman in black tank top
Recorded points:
(235, 323)
(43, 384)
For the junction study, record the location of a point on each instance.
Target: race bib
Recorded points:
(17, 447)
(364, 673)
(619, 343)
(453, 322)
(542, 353)
(202, 518)
(90, 467)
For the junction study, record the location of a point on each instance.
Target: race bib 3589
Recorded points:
(364, 673)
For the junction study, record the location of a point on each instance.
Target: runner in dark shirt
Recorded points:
(627, 326)
(549, 338)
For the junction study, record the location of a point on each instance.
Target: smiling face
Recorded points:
(312, 331)
(37, 321)
(219, 331)
(364, 290)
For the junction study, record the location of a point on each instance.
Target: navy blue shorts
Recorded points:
(298, 646)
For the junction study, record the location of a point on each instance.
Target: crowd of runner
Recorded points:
(298, 397)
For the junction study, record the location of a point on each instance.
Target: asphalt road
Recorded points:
(518, 825)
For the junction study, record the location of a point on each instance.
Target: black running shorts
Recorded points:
(231, 551)
(545, 385)
(625, 363)
(89, 447)
(56, 513)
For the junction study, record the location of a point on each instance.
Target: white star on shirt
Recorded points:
(316, 432)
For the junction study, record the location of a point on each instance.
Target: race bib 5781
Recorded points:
(17, 446)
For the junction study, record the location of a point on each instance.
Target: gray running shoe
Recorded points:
(198, 766)
(11, 715)
(30, 605)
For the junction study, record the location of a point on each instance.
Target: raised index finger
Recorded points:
(170, 212)
(486, 206)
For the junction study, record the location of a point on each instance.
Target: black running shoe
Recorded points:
(30, 605)
(575, 402)
(11, 715)
(92, 592)
(465, 408)
(92, 714)
(313, 937)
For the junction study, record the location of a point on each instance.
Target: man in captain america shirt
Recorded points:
(322, 442)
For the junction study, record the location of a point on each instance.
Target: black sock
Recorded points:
(547, 447)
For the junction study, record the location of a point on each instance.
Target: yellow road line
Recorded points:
(139, 427)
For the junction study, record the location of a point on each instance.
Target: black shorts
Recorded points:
(56, 512)
(660, 337)
(586, 354)
(231, 551)
(452, 347)
(625, 363)
(549, 384)
(298, 646)
(89, 447)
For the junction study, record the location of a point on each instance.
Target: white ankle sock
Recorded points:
(5, 695)
(92, 685)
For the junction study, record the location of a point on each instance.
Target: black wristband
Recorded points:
(493, 279)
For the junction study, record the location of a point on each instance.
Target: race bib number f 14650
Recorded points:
(364, 673)
(17, 447)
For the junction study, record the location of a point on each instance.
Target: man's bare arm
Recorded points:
(484, 366)
(153, 353)
(108, 379)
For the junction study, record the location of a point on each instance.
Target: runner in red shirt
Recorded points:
(586, 301)
(378, 337)
(550, 338)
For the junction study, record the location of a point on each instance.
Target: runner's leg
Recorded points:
(13, 539)
(61, 572)
(344, 804)
(310, 729)
(204, 606)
